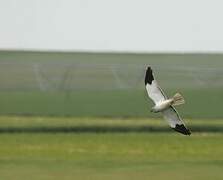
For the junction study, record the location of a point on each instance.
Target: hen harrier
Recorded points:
(164, 104)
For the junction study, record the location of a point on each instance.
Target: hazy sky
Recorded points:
(112, 25)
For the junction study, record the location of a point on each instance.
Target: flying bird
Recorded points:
(164, 104)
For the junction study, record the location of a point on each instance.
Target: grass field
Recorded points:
(19, 124)
(26, 152)
(107, 103)
(98, 84)
(85, 116)
(111, 156)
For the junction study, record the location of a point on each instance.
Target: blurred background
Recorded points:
(73, 103)
(106, 84)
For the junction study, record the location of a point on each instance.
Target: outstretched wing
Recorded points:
(174, 120)
(152, 88)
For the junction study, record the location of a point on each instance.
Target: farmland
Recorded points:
(134, 154)
(86, 116)
(97, 85)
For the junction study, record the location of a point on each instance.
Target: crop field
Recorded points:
(43, 148)
(94, 84)
(85, 116)
(204, 104)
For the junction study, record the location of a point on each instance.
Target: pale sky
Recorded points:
(112, 25)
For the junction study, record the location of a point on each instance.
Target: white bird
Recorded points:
(164, 104)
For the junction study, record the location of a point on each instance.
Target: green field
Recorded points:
(85, 116)
(105, 84)
(19, 124)
(111, 156)
(115, 103)
(55, 153)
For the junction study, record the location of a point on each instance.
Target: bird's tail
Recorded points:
(178, 99)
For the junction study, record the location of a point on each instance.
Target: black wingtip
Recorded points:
(149, 76)
(182, 129)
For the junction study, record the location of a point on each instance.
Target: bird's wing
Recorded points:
(152, 88)
(174, 120)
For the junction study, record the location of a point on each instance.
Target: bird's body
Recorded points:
(159, 107)
(165, 105)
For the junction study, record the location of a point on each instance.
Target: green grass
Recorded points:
(111, 156)
(118, 103)
(103, 84)
(19, 124)
(59, 155)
